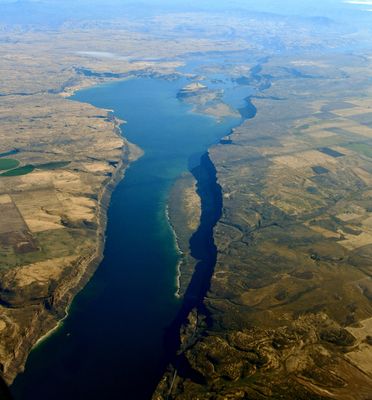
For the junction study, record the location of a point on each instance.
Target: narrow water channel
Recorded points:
(112, 343)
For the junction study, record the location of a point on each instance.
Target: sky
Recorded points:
(294, 6)
(57, 11)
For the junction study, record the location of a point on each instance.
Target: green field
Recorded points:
(19, 171)
(52, 165)
(361, 148)
(51, 244)
(9, 153)
(8, 163)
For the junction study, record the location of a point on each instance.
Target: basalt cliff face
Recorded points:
(288, 312)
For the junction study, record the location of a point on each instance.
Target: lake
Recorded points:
(112, 343)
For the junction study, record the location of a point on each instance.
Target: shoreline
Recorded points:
(188, 322)
(104, 202)
(179, 251)
(85, 268)
(45, 323)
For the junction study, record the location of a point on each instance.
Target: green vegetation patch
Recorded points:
(19, 171)
(9, 153)
(51, 244)
(361, 148)
(8, 163)
(52, 165)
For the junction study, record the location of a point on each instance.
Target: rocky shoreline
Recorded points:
(183, 214)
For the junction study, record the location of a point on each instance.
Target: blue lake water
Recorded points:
(112, 343)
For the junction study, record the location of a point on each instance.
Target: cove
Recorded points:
(111, 345)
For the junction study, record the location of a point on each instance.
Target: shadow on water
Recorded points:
(202, 243)
(202, 248)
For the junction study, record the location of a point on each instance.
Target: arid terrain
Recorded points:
(288, 313)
